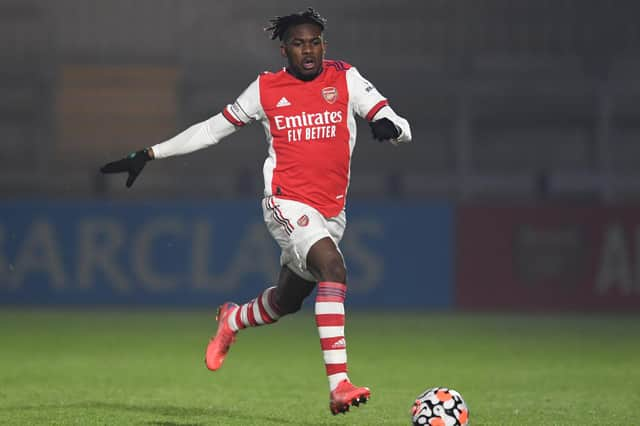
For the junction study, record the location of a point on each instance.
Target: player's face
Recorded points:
(304, 48)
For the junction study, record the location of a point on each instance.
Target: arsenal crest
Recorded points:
(330, 94)
(303, 220)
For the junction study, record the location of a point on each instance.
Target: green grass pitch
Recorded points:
(133, 367)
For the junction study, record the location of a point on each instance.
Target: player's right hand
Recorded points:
(132, 164)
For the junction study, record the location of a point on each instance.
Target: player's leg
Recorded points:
(269, 306)
(291, 291)
(274, 302)
(309, 249)
(325, 262)
(264, 309)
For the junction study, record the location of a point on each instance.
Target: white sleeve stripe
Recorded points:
(236, 111)
(231, 117)
(243, 111)
(247, 106)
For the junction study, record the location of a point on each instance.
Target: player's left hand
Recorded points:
(384, 130)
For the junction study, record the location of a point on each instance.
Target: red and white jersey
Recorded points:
(311, 131)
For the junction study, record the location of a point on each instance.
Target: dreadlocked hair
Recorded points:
(281, 24)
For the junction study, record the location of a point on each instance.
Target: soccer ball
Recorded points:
(440, 407)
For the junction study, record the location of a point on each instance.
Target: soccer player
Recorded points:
(308, 113)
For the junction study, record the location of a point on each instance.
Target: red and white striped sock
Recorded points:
(259, 311)
(329, 310)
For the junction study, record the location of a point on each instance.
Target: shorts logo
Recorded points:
(330, 94)
(303, 220)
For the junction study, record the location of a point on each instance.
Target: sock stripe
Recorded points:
(330, 343)
(337, 299)
(330, 296)
(258, 311)
(251, 314)
(327, 332)
(266, 305)
(340, 296)
(330, 299)
(331, 293)
(243, 314)
(330, 320)
(338, 356)
(335, 379)
(329, 308)
(332, 284)
(336, 368)
(237, 320)
(331, 289)
(264, 317)
(264, 314)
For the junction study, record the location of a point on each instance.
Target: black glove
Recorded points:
(384, 129)
(132, 164)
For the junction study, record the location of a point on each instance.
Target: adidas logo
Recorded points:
(283, 102)
(339, 344)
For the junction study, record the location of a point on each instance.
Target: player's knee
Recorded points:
(288, 303)
(334, 270)
(291, 307)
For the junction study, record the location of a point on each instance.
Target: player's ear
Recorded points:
(283, 50)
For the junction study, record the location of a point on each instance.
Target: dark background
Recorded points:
(527, 103)
(509, 99)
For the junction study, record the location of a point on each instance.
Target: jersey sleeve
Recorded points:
(201, 135)
(246, 108)
(196, 137)
(365, 98)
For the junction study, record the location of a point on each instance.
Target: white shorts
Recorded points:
(296, 227)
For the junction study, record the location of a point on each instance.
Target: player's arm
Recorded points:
(199, 136)
(369, 104)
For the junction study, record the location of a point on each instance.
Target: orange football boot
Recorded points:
(219, 345)
(345, 395)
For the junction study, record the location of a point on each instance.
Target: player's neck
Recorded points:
(304, 77)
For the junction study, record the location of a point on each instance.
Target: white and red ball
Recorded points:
(440, 407)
